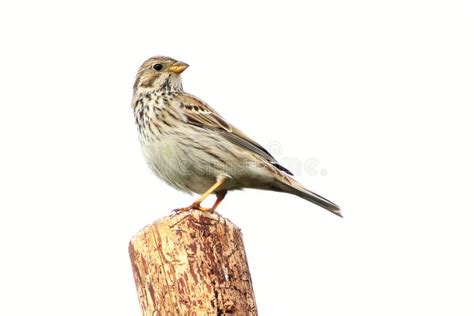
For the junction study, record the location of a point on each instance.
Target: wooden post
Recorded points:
(192, 263)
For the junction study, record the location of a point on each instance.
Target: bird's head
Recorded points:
(159, 73)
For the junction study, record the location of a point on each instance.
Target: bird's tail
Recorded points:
(299, 190)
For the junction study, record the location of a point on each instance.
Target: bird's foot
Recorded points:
(194, 206)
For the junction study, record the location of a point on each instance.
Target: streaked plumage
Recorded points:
(191, 147)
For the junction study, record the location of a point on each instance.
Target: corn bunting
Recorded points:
(191, 147)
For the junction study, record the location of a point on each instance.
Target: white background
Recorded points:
(369, 102)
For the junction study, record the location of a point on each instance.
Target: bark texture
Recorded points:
(192, 263)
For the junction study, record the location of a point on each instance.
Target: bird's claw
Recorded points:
(194, 206)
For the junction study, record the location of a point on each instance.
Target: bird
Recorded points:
(188, 145)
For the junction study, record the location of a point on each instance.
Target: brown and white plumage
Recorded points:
(192, 148)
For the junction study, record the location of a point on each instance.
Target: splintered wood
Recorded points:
(192, 263)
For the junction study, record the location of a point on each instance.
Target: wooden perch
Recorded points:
(192, 263)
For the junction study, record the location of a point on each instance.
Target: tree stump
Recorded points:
(192, 263)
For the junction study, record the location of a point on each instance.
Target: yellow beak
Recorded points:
(178, 67)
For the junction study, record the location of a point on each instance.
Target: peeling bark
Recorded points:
(192, 263)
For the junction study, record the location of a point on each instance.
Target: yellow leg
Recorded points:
(197, 204)
(210, 191)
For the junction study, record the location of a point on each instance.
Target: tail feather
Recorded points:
(297, 189)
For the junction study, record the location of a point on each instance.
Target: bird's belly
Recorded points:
(178, 165)
(196, 166)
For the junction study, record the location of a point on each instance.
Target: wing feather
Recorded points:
(200, 114)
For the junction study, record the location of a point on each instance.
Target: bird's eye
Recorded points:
(158, 67)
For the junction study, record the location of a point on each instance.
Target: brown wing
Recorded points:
(200, 114)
